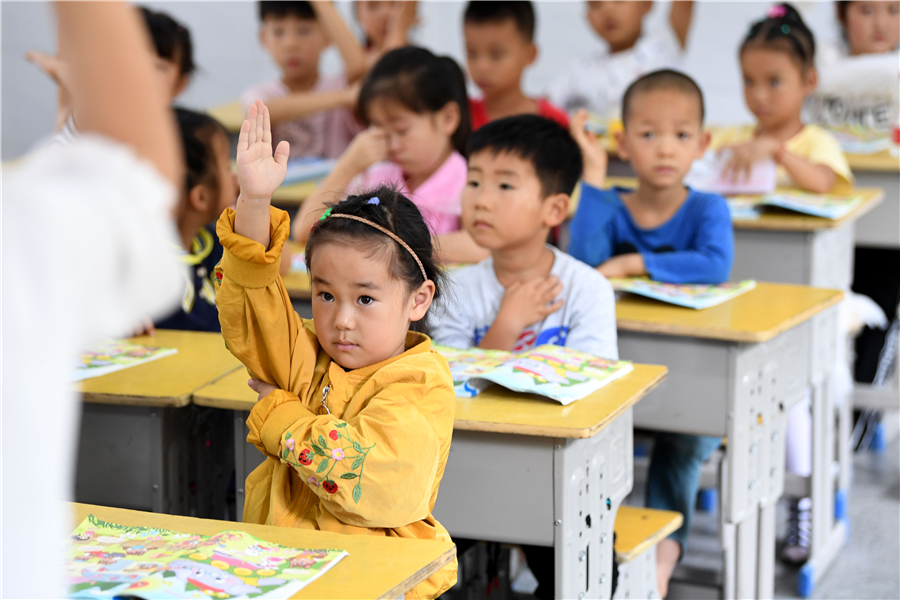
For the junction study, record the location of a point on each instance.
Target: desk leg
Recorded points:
(765, 576)
(591, 478)
(240, 450)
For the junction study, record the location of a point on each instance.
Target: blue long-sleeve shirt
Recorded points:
(695, 246)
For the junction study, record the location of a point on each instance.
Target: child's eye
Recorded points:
(683, 135)
(648, 135)
(326, 297)
(496, 55)
(775, 82)
(506, 186)
(472, 184)
(366, 300)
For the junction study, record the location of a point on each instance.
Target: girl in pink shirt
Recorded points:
(416, 108)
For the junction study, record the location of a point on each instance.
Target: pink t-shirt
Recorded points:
(438, 198)
(326, 133)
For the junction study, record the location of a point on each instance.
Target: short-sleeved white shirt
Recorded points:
(598, 82)
(586, 321)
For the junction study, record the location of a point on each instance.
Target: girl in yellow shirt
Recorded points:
(356, 411)
(778, 65)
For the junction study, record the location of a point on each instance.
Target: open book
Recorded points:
(817, 205)
(688, 295)
(559, 373)
(307, 169)
(109, 357)
(108, 560)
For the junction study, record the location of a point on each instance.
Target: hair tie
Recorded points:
(374, 200)
(785, 29)
(777, 11)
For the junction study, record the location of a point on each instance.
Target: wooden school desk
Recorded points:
(230, 115)
(881, 227)
(735, 371)
(376, 567)
(133, 440)
(521, 470)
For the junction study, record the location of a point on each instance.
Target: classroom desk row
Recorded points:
(560, 473)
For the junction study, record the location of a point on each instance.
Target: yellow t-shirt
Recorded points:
(812, 143)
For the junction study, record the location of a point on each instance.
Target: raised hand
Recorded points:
(259, 171)
(593, 154)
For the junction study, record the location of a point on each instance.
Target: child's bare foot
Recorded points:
(668, 552)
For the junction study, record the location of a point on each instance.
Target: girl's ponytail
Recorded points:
(420, 81)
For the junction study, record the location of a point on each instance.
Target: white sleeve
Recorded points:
(99, 231)
(452, 323)
(592, 326)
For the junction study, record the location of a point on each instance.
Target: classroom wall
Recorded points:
(230, 58)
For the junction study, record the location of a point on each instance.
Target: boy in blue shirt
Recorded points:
(663, 230)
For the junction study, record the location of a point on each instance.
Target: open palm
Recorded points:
(259, 171)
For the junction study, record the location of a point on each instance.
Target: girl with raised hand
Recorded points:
(356, 410)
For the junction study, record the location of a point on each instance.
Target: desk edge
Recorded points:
(563, 432)
(856, 214)
(419, 576)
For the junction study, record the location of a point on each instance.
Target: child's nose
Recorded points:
(345, 319)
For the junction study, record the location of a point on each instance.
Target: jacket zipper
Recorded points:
(325, 391)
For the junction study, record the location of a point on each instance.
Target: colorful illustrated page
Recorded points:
(559, 373)
(109, 560)
(109, 357)
(695, 296)
(825, 206)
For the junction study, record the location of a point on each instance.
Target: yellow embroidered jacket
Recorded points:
(374, 464)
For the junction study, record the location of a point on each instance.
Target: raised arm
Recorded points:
(680, 16)
(338, 33)
(303, 104)
(113, 87)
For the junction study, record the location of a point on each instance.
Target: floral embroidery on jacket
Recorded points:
(329, 458)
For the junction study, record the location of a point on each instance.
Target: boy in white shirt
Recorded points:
(522, 170)
(597, 82)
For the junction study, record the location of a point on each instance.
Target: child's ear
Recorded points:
(183, 81)
(448, 119)
(811, 80)
(621, 146)
(532, 54)
(198, 199)
(420, 301)
(705, 139)
(556, 209)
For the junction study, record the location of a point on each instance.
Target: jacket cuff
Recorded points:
(246, 262)
(271, 417)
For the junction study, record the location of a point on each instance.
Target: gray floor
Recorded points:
(869, 565)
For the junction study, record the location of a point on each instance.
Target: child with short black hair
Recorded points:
(596, 82)
(499, 47)
(522, 171)
(663, 230)
(355, 410)
(295, 33)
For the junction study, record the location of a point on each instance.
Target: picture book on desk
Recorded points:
(308, 168)
(707, 174)
(108, 560)
(816, 205)
(697, 296)
(109, 357)
(559, 373)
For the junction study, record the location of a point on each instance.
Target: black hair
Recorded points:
(420, 81)
(664, 79)
(842, 6)
(544, 143)
(171, 39)
(198, 130)
(396, 213)
(521, 13)
(279, 9)
(784, 30)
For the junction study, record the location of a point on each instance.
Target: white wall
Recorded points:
(230, 58)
